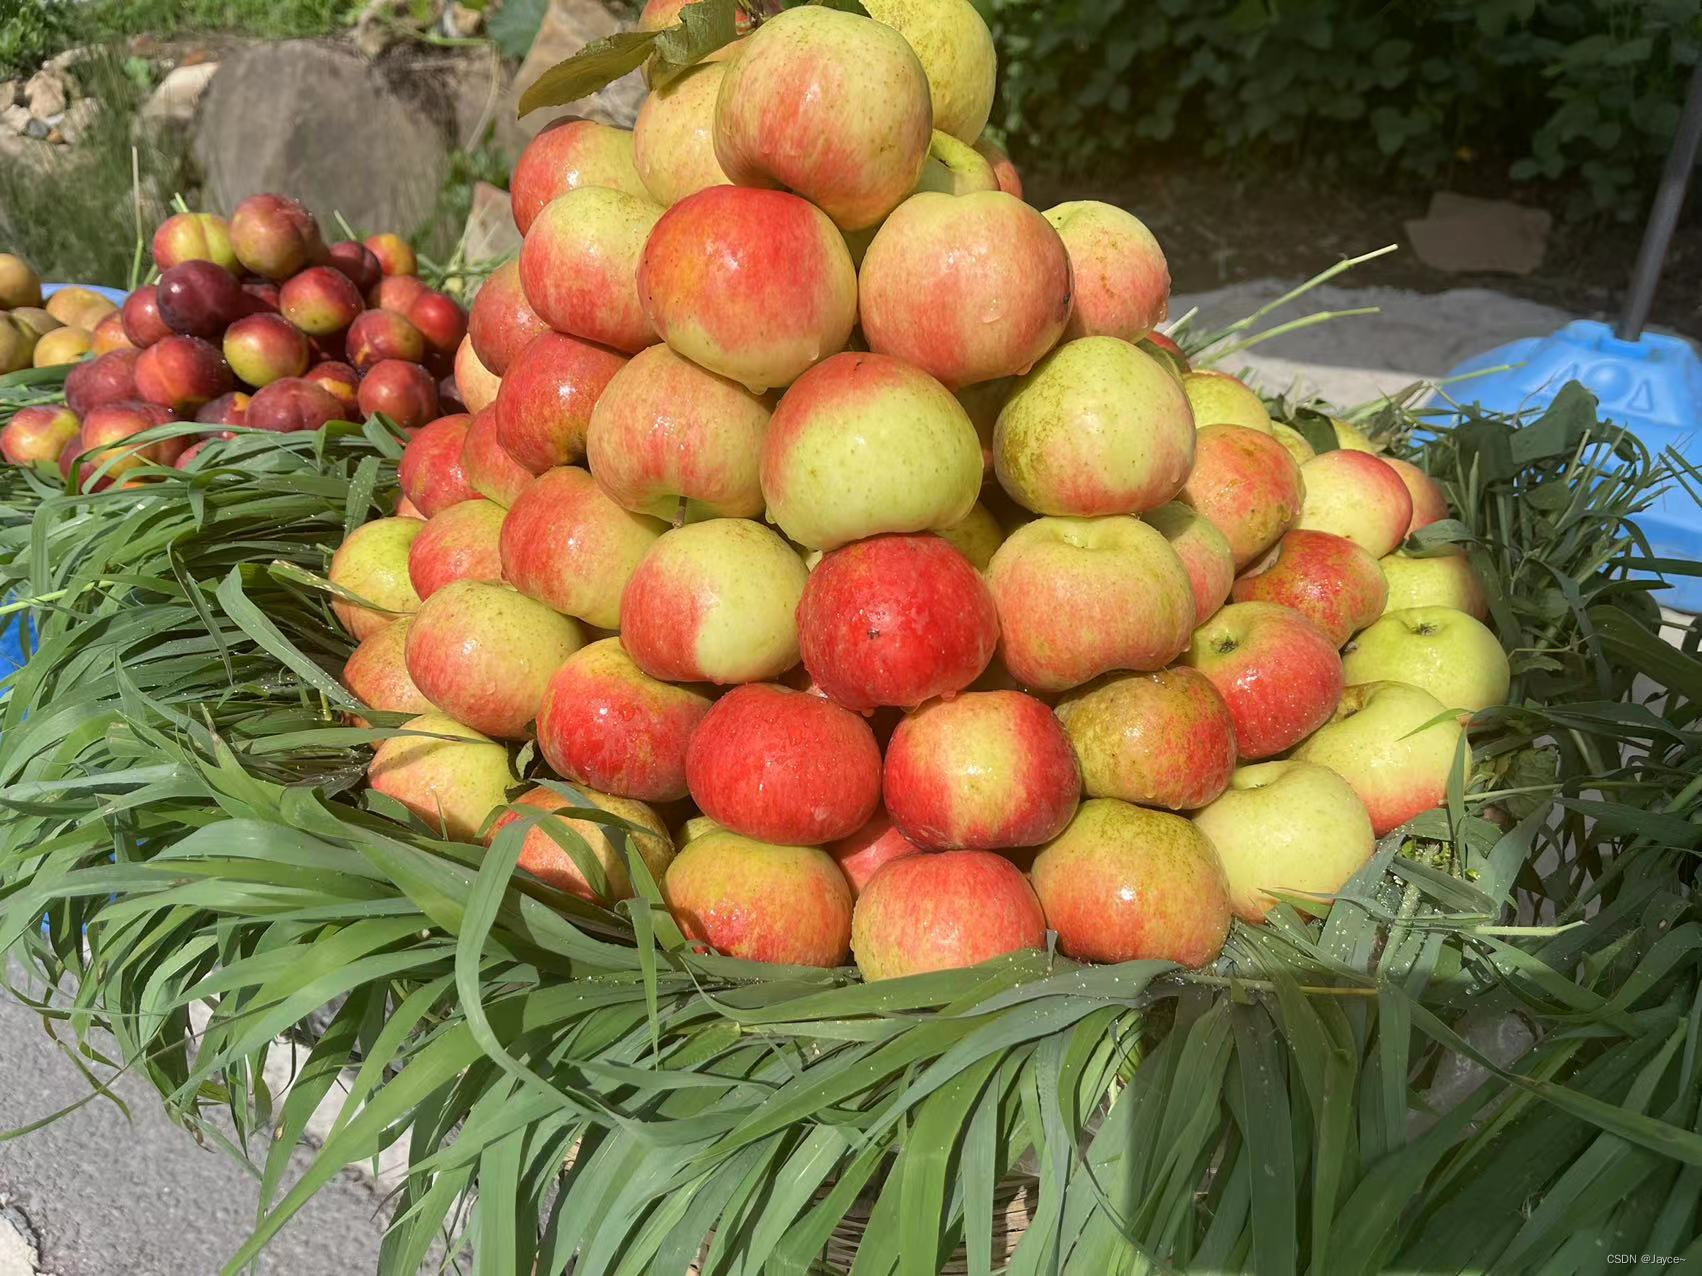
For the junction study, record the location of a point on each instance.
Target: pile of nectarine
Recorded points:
(251, 322)
(843, 533)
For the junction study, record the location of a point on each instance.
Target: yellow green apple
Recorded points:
(1446, 652)
(1395, 744)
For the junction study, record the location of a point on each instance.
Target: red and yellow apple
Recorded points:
(1122, 281)
(759, 901)
(1356, 495)
(1326, 578)
(1247, 486)
(1157, 739)
(1395, 744)
(451, 784)
(922, 913)
(1280, 674)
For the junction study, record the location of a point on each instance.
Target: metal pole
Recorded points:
(1663, 215)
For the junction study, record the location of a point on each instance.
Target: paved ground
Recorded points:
(93, 1195)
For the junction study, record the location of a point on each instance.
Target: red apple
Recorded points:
(1247, 486)
(275, 237)
(320, 300)
(1280, 674)
(459, 543)
(579, 266)
(292, 404)
(1157, 739)
(985, 771)
(38, 433)
(568, 545)
(440, 320)
(940, 912)
(760, 902)
(502, 321)
(566, 155)
(1357, 495)
(490, 470)
(484, 654)
(181, 373)
(107, 378)
(358, 262)
(263, 348)
(1328, 579)
(895, 620)
(377, 672)
(1122, 282)
(339, 379)
(377, 335)
(430, 472)
(545, 858)
(395, 255)
(784, 766)
(227, 409)
(140, 315)
(262, 296)
(606, 723)
(544, 400)
(1429, 502)
(861, 855)
(402, 391)
(1127, 884)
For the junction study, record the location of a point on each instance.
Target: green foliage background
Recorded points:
(1584, 92)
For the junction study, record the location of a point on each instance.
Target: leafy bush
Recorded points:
(1585, 92)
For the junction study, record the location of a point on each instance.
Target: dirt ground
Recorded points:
(1219, 228)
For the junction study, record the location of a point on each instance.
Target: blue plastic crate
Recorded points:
(1652, 386)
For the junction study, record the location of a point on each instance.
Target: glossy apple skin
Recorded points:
(673, 139)
(193, 237)
(274, 236)
(396, 293)
(755, 285)
(1435, 580)
(1357, 495)
(784, 766)
(579, 266)
(966, 287)
(320, 300)
(182, 373)
(462, 542)
(1122, 282)
(1328, 579)
(199, 299)
(293, 403)
(395, 255)
(862, 854)
(501, 321)
(263, 348)
(490, 470)
(544, 402)
(107, 378)
(441, 321)
(431, 472)
(606, 723)
(1395, 746)
(664, 431)
(759, 901)
(475, 384)
(922, 913)
(714, 602)
(1429, 502)
(831, 105)
(983, 771)
(1204, 551)
(377, 672)
(405, 392)
(1156, 739)
(1123, 883)
(484, 654)
(1247, 485)
(568, 154)
(1293, 826)
(1098, 427)
(377, 335)
(106, 433)
(1221, 399)
(1280, 674)
(895, 620)
(38, 433)
(140, 315)
(372, 563)
(109, 335)
(1452, 655)
(863, 444)
(547, 860)
(452, 785)
(567, 544)
(1079, 597)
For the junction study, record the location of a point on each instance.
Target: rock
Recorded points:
(1462, 235)
(37, 128)
(15, 118)
(472, 81)
(490, 234)
(66, 60)
(78, 120)
(568, 26)
(48, 92)
(174, 101)
(328, 127)
(11, 93)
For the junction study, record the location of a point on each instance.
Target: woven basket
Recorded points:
(1012, 1200)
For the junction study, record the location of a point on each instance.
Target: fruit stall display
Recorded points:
(805, 734)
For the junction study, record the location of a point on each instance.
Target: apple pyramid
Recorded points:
(838, 523)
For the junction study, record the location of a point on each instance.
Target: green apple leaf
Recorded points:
(594, 67)
(703, 28)
(1316, 429)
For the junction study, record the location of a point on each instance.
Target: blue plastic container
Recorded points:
(115, 295)
(1652, 386)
